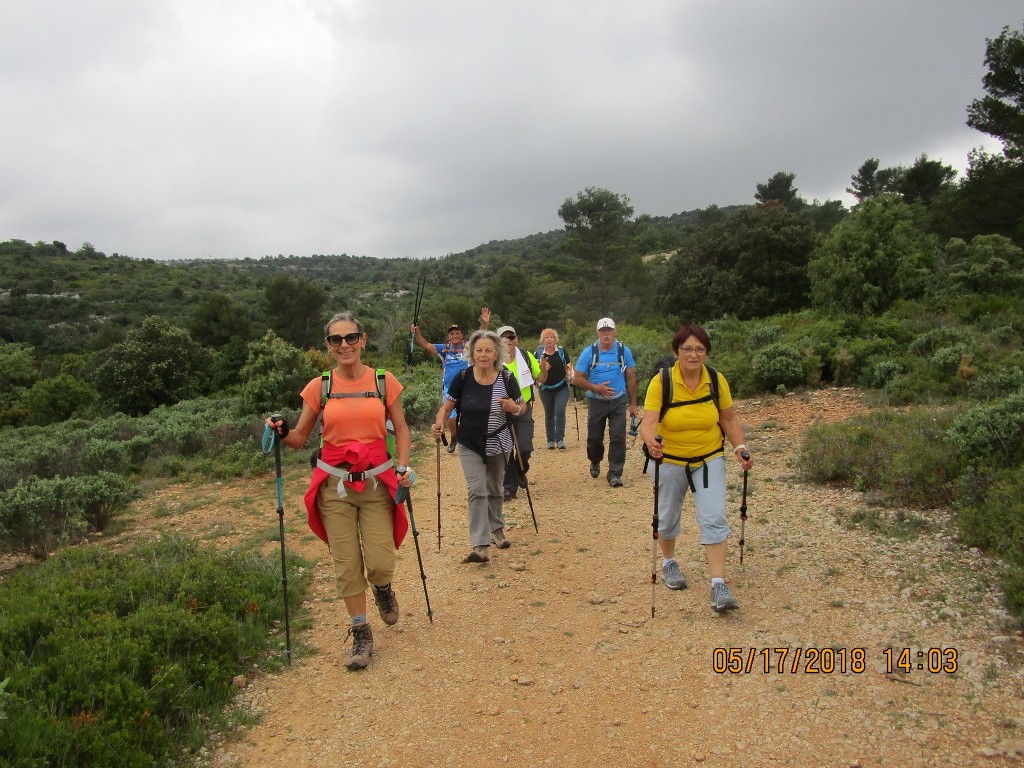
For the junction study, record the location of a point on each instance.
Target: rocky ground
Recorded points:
(549, 655)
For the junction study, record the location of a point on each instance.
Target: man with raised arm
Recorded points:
(451, 359)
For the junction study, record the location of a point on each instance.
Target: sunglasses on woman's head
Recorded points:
(335, 339)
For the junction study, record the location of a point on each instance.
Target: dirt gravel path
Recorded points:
(548, 655)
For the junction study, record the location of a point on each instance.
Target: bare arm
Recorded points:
(734, 431)
(427, 346)
(648, 431)
(443, 414)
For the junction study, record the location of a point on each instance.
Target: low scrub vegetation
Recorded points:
(968, 458)
(128, 658)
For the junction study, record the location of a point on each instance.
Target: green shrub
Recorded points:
(993, 516)
(1002, 381)
(38, 513)
(991, 433)
(35, 517)
(778, 364)
(930, 342)
(948, 359)
(50, 401)
(100, 497)
(883, 371)
(902, 455)
(421, 396)
(119, 658)
(274, 373)
(763, 335)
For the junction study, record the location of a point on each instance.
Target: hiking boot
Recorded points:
(508, 496)
(387, 603)
(478, 555)
(499, 540)
(561, 445)
(551, 446)
(722, 599)
(614, 481)
(362, 646)
(451, 446)
(672, 575)
(595, 469)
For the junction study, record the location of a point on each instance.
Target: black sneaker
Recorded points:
(595, 469)
(387, 603)
(614, 481)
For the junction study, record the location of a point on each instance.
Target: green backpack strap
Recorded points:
(325, 395)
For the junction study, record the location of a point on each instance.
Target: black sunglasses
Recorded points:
(335, 339)
(509, 336)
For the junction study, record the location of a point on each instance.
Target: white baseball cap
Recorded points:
(605, 322)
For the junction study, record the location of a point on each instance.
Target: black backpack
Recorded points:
(667, 402)
(666, 391)
(594, 352)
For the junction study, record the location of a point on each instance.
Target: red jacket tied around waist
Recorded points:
(357, 457)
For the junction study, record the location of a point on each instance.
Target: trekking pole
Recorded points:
(421, 282)
(654, 531)
(522, 473)
(576, 413)
(743, 507)
(403, 495)
(438, 443)
(271, 435)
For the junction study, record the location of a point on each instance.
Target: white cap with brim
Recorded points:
(506, 329)
(605, 322)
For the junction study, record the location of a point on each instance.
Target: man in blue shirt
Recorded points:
(605, 371)
(451, 359)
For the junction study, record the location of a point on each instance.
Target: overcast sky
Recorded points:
(235, 128)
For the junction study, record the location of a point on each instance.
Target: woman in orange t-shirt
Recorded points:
(351, 499)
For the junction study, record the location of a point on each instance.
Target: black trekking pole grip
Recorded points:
(654, 530)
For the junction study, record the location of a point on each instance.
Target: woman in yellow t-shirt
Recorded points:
(692, 452)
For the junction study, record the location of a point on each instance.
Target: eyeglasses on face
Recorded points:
(335, 339)
(692, 350)
(508, 336)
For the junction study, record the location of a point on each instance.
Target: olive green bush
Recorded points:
(124, 658)
(901, 455)
(778, 365)
(991, 433)
(40, 513)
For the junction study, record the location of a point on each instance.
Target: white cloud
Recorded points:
(180, 128)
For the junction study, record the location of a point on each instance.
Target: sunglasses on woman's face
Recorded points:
(351, 339)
